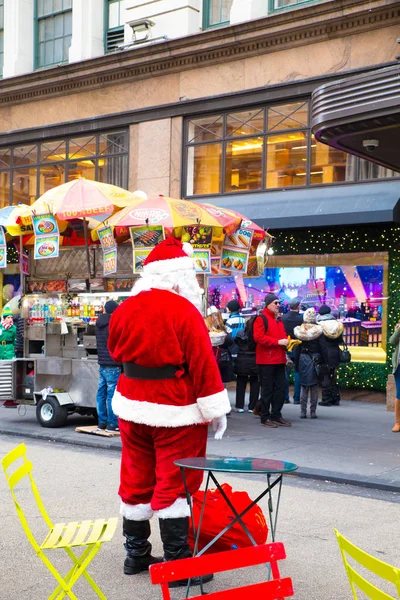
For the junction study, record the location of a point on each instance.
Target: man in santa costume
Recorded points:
(168, 393)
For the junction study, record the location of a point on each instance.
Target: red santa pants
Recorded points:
(148, 473)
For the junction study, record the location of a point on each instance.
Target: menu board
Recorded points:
(234, 260)
(146, 236)
(46, 246)
(199, 236)
(110, 262)
(139, 256)
(202, 261)
(106, 238)
(241, 238)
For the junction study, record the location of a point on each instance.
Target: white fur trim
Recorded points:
(180, 508)
(187, 248)
(156, 415)
(136, 512)
(159, 267)
(215, 405)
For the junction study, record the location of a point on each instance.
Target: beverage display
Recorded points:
(42, 310)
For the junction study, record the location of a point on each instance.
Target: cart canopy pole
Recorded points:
(85, 228)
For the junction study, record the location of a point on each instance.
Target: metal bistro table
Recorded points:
(273, 469)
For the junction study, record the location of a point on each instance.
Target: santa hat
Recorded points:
(169, 256)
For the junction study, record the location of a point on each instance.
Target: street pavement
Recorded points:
(81, 483)
(352, 443)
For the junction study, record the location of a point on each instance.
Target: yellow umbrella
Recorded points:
(173, 214)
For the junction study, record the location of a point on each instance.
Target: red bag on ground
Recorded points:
(217, 515)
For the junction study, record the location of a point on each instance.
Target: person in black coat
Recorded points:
(245, 368)
(308, 356)
(333, 338)
(290, 320)
(109, 372)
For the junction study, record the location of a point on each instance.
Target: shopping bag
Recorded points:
(217, 515)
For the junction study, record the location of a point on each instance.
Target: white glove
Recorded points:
(219, 426)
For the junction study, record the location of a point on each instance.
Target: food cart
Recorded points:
(59, 371)
(66, 292)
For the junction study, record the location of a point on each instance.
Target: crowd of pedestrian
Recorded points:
(263, 350)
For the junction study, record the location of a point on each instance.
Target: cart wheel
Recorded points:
(50, 413)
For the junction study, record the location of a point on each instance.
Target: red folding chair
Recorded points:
(275, 589)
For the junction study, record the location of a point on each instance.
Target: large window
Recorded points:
(275, 5)
(114, 25)
(26, 172)
(354, 287)
(264, 148)
(216, 13)
(53, 31)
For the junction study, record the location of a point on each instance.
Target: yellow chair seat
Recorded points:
(79, 534)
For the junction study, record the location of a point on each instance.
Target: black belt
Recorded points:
(5, 343)
(134, 371)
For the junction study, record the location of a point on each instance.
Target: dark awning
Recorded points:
(347, 114)
(377, 202)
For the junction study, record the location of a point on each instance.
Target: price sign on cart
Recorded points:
(106, 238)
(110, 262)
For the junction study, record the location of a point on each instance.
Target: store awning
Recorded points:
(355, 204)
(361, 115)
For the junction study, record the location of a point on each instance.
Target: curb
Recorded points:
(106, 445)
(302, 472)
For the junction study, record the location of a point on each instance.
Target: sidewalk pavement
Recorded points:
(352, 443)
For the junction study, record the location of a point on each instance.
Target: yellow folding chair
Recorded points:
(86, 534)
(376, 566)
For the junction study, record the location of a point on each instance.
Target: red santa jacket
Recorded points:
(268, 352)
(157, 328)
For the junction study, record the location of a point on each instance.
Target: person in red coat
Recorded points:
(169, 391)
(271, 339)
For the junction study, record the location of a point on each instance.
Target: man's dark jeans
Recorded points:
(273, 387)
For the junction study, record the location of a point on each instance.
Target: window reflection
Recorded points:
(204, 169)
(24, 186)
(35, 168)
(245, 123)
(328, 165)
(4, 188)
(205, 129)
(51, 176)
(243, 168)
(287, 160)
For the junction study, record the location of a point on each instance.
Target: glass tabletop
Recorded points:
(231, 464)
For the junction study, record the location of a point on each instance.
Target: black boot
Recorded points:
(174, 536)
(137, 546)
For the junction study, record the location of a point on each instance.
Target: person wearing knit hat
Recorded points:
(271, 339)
(234, 323)
(109, 372)
(169, 391)
(307, 357)
(290, 320)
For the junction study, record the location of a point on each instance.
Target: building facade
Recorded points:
(211, 100)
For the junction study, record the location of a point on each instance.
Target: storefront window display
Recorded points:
(27, 172)
(264, 148)
(355, 294)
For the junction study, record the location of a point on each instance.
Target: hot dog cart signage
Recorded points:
(234, 260)
(110, 251)
(241, 238)
(47, 238)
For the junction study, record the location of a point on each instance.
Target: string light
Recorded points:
(346, 240)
